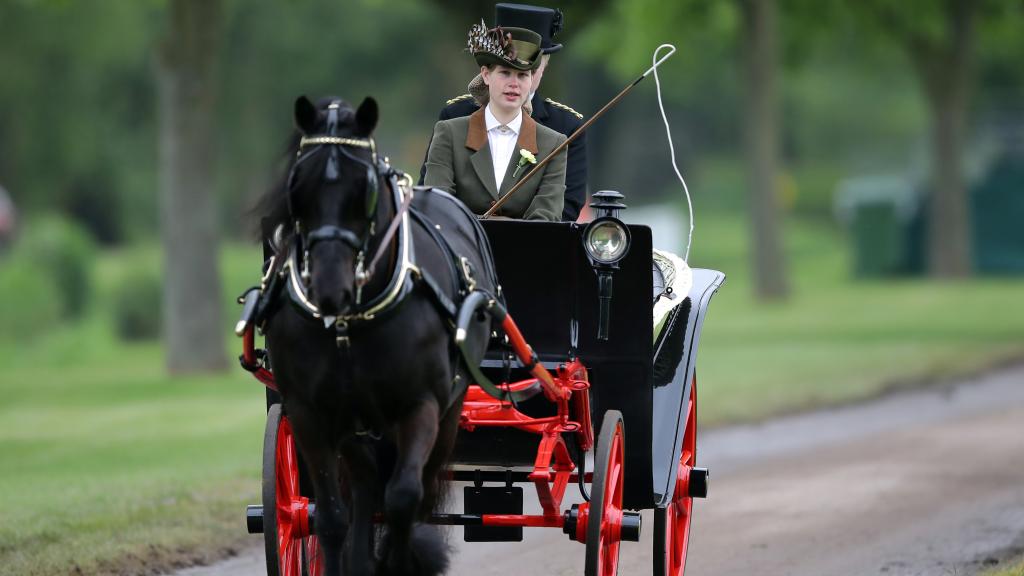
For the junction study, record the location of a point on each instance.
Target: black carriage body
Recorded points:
(551, 291)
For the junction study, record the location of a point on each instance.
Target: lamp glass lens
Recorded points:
(606, 241)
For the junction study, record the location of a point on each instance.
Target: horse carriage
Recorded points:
(587, 376)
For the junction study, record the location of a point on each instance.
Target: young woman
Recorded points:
(480, 157)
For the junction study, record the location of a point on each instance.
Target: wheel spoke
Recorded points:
(314, 567)
(687, 458)
(291, 564)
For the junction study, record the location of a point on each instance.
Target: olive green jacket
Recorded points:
(459, 161)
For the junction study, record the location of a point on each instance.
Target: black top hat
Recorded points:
(544, 21)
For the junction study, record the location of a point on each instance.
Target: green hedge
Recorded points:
(29, 300)
(137, 305)
(66, 254)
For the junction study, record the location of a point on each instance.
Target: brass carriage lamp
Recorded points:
(606, 241)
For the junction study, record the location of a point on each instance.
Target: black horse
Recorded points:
(364, 356)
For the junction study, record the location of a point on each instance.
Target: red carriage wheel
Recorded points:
(604, 521)
(312, 562)
(672, 523)
(291, 550)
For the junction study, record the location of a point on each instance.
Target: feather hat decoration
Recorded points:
(517, 48)
(493, 40)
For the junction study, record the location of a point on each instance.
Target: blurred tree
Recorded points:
(91, 151)
(187, 80)
(275, 51)
(760, 55)
(1000, 75)
(636, 27)
(75, 109)
(940, 39)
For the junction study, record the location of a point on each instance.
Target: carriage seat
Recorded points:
(673, 279)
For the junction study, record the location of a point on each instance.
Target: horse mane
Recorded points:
(271, 210)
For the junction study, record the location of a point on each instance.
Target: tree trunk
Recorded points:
(193, 325)
(947, 81)
(762, 147)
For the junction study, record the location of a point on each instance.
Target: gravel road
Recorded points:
(929, 482)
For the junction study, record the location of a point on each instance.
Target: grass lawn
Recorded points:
(111, 466)
(1016, 569)
(836, 339)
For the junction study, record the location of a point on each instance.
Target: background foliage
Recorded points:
(97, 442)
(77, 111)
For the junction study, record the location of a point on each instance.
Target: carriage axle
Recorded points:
(569, 522)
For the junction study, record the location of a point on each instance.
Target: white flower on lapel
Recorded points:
(525, 157)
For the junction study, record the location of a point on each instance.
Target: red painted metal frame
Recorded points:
(553, 467)
(252, 363)
(528, 358)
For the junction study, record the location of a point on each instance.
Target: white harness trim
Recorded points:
(392, 292)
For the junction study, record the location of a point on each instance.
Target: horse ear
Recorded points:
(305, 115)
(366, 117)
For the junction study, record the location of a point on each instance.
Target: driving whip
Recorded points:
(497, 205)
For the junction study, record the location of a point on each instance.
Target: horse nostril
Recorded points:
(346, 300)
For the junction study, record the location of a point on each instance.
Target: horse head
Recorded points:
(334, 189)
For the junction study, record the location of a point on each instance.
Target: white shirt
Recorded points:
(502, 139)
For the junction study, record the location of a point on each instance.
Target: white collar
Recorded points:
(492, 122)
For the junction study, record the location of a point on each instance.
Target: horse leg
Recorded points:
(325, 472)
(435, 473)
(404, 492)
(361, 472)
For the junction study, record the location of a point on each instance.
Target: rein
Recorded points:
(385, 241)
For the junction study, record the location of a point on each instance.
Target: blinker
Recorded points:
(371, 191)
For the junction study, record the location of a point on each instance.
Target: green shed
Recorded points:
(997, 216)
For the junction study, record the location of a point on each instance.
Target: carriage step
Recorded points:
(699, 479)
(480, 500)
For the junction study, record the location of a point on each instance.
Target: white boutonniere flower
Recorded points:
(525, 157)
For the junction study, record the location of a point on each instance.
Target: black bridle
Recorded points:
(376, 170)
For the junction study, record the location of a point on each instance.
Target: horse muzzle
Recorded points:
(329, 292)
(329, 261)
